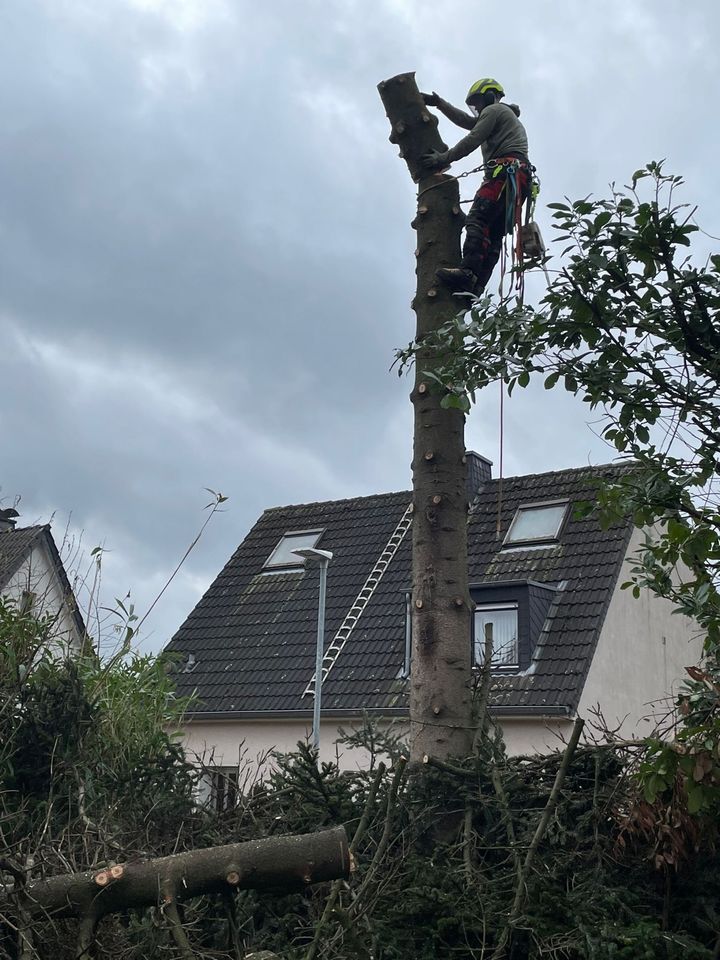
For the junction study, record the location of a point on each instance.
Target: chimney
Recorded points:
(8, 519)
(479, 472)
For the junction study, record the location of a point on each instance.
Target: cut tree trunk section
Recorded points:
(276, 863)
(440, 701)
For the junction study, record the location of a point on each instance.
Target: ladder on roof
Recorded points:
(363, 598)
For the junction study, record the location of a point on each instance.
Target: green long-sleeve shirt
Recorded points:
(497, 131)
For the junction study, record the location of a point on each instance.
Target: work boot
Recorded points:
(457, 279)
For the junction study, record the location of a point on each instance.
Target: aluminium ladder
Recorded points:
(363, 598)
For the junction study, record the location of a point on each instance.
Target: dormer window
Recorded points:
(517, 611)
(283, 557)
(502, 619)
(537, 523)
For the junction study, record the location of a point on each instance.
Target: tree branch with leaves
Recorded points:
(631, 326)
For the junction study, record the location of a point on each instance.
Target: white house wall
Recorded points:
(227, 743)
(248, 742)
(533, 735)
(37, 575)
(640, 658)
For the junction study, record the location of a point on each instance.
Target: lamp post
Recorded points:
(322, 558)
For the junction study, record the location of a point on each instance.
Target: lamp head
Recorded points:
(313, 554)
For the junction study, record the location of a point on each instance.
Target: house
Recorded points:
(567, 638)
(32, 574)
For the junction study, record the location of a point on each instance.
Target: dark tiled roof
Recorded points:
(16, 544)
(253, 633)
(14, 547)
(586, 562)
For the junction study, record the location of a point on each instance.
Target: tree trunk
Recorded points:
(440, 702)
(277, 863)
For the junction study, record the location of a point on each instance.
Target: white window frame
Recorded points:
(509, 541)
(220, 788)
(479, 642)
(295, 562)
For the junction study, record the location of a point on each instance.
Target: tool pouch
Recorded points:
(532, 242)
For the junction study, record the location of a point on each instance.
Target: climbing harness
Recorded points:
(511, 167)
(526, 243)
(528, 247)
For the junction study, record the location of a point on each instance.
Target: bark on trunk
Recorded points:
(440, 702)
(276, 863)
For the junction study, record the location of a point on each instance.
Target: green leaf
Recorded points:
(695, 798)
(602, 219)
(454, 401)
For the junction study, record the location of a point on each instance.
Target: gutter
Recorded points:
(291, 714)
(225, 715)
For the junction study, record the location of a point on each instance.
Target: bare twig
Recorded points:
(234, 944)
(467, 842)
(506, 816)
(337, 885)
(484, 691)
(86, 935)
(219, 499)
(450, 768)
(172, 913)
(385, 838)
(521, 888)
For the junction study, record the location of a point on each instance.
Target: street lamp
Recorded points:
(322, 558)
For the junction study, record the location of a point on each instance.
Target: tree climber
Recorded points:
(495, 127)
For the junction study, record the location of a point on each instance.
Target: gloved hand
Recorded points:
(435, 160)
(431, 99)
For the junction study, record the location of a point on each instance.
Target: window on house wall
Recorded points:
(220, 788)
(518, 611)
(502, 619)
(537, 523)
(283, 556)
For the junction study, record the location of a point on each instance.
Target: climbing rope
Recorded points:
(501, 470)
(513, 226)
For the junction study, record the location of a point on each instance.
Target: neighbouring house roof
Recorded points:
(248, 647)
(15, 547)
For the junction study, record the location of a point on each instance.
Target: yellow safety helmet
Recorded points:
(484, 86)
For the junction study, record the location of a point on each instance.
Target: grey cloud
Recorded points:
(200, 198)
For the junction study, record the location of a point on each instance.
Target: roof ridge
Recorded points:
(626, 464)
(35, 527)
(322, 503)
(588, 468)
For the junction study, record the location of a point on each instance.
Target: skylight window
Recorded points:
(283, 556)
(537, 523)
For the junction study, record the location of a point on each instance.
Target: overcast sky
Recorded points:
(205, 252)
